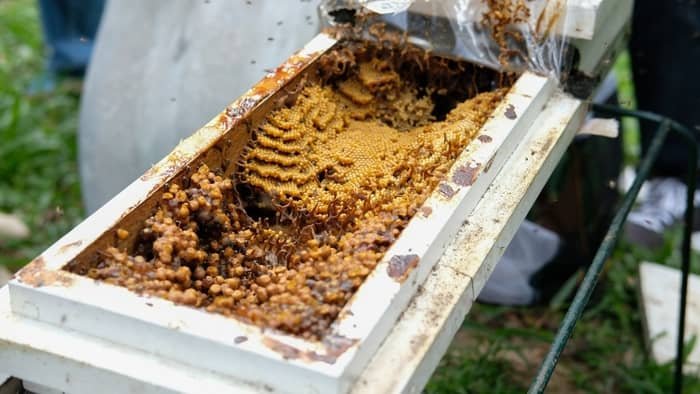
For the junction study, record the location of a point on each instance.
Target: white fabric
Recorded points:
(163, 68)
(664, 205)
(531, 248)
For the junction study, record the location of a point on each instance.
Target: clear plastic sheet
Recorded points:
(510, 35)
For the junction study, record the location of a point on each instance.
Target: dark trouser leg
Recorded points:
(665, 49)
(69, 29)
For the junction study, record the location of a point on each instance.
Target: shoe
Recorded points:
(663, 207)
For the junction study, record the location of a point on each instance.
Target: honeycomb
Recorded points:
(501, 17)
(324, 187)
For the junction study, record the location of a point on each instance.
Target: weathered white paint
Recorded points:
(599, 50)
(73, 362)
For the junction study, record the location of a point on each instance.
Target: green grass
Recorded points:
(498, 349)
(38, 172)
(626, 99)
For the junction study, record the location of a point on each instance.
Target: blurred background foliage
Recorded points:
(39, 179)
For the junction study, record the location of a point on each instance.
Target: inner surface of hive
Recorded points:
(326, 184)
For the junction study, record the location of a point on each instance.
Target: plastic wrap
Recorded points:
(509, 35)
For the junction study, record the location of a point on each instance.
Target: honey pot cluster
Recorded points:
(323, 188)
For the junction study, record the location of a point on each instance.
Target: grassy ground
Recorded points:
(498, 349)
(38, 172)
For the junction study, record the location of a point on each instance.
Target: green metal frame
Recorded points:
(583, 295)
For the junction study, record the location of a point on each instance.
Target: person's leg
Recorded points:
(665, 50)
(69, 28)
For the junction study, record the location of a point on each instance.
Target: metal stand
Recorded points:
(590, 280)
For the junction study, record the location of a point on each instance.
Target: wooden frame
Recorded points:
(584, 18)
(414, 347)
(71, 361)
(44, 292)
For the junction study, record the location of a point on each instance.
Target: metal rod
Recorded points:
(685, 267)
(590, 280)
(687, 229)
